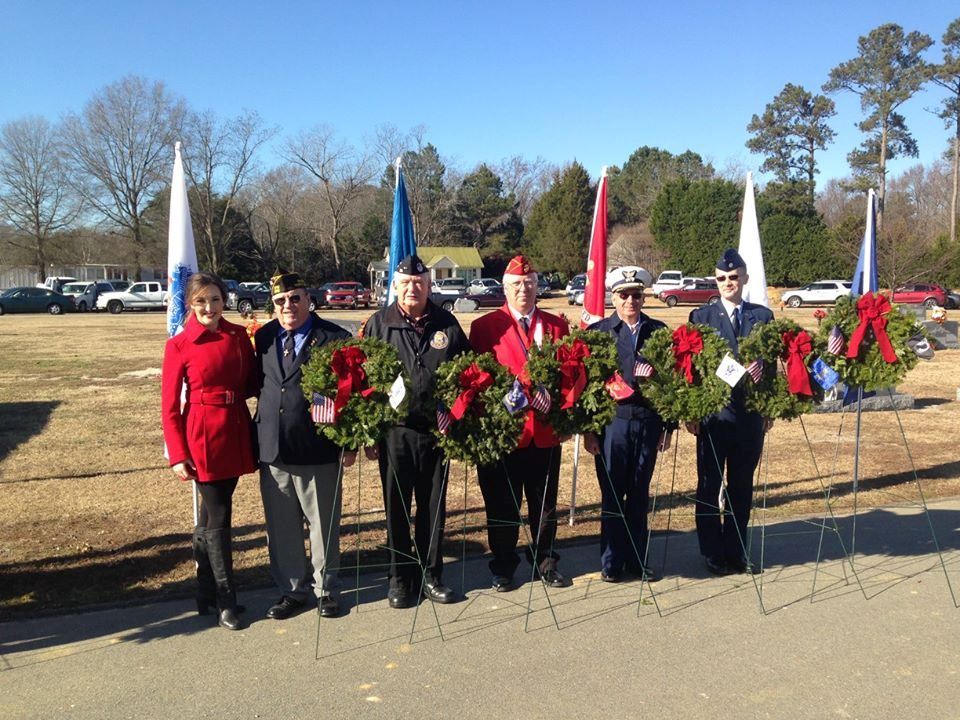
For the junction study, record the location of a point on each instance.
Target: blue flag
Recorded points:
(865, 276)
(402, 240)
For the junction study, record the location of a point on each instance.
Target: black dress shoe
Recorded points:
(609, 576)
(743, 567)
(438, 593)
(554, 579)
(716, 567)
(286, 608)
(399, 598)
(645, 573)
(329, 607)
(228, 619)
(502, 583)
(204, 606)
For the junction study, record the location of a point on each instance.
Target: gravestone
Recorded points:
(879, 400)
(942, 336)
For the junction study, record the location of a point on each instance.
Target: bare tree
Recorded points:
(342, 173)
(219, 160)
(526, 180)
(120, 152)
(274, 201)
(35, 197)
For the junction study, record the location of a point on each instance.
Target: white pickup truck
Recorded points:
(670, 280)
(139, 296)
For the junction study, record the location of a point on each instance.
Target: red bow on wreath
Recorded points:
(797, 345)
(573, 374)
(473, 380)
(872, 310)
(347, 365)
(687, 342)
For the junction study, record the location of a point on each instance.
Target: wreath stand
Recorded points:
(922, 503)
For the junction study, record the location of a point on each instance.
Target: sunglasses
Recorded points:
(732, 277)
(284, 299)
(634, 295)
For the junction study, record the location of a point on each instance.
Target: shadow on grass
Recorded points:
(20, 421)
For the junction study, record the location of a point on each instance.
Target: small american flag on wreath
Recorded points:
(835, 341)
(755, 370)
(322, 410)
(541, 400)
(444, 419)
(642, 368)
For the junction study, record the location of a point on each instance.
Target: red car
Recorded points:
(348, 294)
(695, 293)
(921, 294)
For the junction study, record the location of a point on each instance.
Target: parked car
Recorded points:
(85, 294)
(579, 295)
(56, 282)
(491, 297)
(697, 293)
(577, 283)
(926, 294)
(953, 300)
(671, 279)
(821, 292)
(243, 299)
(34, 299)
(139, 296)
(348, 294)
(480, 285)
(450, 286)
(543, 287)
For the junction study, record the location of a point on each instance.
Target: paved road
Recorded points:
(878, 639)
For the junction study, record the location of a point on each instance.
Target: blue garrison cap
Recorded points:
(730, 259)
(411, 265)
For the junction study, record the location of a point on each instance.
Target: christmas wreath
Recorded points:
(574, 371)
(473, 423)
(768, 349)
(684, 386)
(350, 384)
(866, 341)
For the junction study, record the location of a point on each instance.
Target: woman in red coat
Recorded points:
(211, 366)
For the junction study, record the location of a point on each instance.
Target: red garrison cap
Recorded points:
(519, 265)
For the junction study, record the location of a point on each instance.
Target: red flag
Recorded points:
(596, 290)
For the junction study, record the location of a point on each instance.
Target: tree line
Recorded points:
(93, 187)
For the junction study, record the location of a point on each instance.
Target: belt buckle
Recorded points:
(228, 396)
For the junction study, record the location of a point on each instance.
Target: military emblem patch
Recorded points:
(439, 340)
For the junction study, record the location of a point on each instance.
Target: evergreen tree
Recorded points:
(557, 235)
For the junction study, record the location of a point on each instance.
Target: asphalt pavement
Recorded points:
(872, 636)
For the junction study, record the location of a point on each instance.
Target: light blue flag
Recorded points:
(181, 249)
(865, 276)
(402, 240)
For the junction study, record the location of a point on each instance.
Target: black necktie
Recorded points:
(736, 322)
(288, 353)
(525, 325)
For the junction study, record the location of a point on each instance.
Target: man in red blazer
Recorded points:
(534, 467)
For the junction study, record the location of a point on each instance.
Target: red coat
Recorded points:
(220, 372)
(497, 332)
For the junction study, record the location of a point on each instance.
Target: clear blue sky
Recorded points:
(562, 80)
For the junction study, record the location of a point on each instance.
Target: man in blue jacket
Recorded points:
(731, 439)
(626, 450)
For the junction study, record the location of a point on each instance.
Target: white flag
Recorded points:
(181, 249)
(756, 288)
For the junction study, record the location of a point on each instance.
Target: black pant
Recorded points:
(412, 467)
(216, 503)
(734, 443)
(535, 473)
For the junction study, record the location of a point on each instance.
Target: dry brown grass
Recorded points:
(90, 513)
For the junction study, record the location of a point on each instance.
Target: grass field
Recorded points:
(91, 514)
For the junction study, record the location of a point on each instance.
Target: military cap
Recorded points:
(631, 278)
(411, 265)
(518, 265)
(729, 260)
(285, 282)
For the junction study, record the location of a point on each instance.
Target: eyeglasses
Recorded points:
(284, 299)
(528, 284)
(634, 295)
(732, 277)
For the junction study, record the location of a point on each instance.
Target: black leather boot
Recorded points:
(206, 587)
(220, 553)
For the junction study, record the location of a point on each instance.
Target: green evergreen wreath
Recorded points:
(487, 431)
(363, 421)
(594, 408)
(869, 369)
(771, 397)
(675, 399)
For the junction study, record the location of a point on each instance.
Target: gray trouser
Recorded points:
(291, 493)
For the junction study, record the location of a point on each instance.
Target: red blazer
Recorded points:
(497, 332)
(219, 370)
